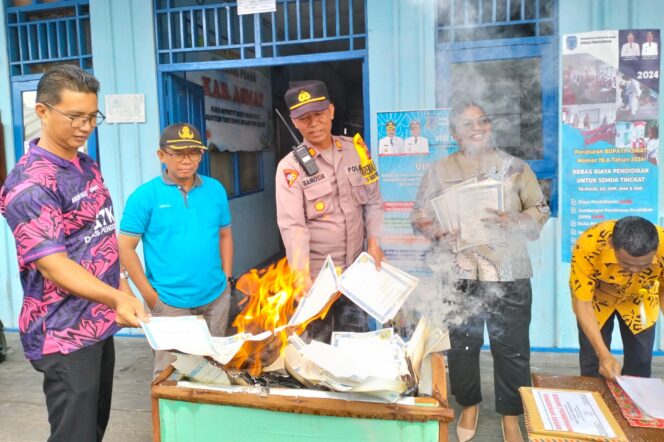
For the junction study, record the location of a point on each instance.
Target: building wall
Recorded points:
(123, 46)
(10, 290)
(402, 76)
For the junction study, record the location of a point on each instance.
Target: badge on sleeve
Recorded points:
(367, 165)
(290, 175)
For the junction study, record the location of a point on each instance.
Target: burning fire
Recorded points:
(272, 296)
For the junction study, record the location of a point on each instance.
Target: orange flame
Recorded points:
(272, 296)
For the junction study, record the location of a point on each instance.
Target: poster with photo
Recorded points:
(409, 142)
(610, 129)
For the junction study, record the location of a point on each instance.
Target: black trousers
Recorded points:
(78, 390)
(636, 347)
(505, 308)
(344, 315)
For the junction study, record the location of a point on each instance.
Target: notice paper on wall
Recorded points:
(255, 6)
(125, 108)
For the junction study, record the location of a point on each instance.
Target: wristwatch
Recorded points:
(124, 274)
(231, 281)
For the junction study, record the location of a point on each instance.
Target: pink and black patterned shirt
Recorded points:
(54, 205)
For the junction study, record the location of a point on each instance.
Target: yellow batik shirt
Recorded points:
(596, 276)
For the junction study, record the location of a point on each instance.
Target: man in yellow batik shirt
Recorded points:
(617, 273)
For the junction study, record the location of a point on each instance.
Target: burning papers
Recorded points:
(378, 363)
(324, 288)
(462, 207)
(267, 344)
(190, 335)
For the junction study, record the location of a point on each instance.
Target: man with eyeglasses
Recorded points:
(184, 222)
(61, 215)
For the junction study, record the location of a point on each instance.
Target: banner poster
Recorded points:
(610, 129)
(238, 108)
(409, 143)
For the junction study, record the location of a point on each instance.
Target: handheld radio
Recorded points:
(300, 150)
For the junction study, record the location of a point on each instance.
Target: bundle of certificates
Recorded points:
(461, 208)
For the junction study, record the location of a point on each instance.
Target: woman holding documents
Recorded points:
(479, 207)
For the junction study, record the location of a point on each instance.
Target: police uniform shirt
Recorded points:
(331, 212)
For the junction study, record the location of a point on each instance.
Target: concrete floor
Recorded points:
(23, 413)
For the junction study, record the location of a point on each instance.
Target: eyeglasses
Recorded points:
(80, 120)
(470, 124)
(194, 155)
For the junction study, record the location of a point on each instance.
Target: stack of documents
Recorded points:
(647, 395)
(461, 208)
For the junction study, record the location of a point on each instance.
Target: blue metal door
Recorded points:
(185, 102)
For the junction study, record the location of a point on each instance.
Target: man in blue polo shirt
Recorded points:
(185, 224)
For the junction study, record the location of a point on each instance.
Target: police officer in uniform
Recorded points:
(333, 211)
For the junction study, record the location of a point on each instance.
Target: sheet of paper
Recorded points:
(339, 363)
(226, 347)
(647, 393)
(444, 206)
(356, 341)
(376, 348)
(461, 208)
(200, 369)
(379, 293)
(188, 334)
(473, 231)
(571, 411)
(125, 108)
(322, 290)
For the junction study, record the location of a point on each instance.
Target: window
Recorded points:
(504, 55)
(40, 34)
(190, 31)
(241, 173)
(46, 32)
(474, 20)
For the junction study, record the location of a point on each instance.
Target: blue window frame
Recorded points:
(187, 32)
(41, 34)
(500, 39)
(194, 35)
